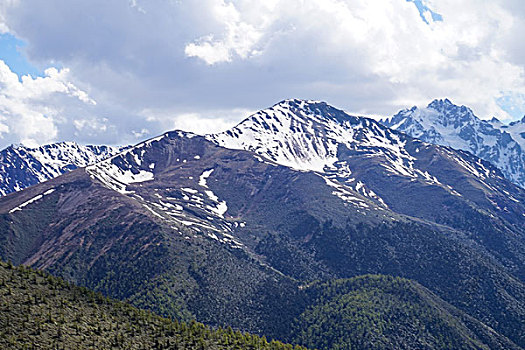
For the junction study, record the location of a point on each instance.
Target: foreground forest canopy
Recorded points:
(39, 311)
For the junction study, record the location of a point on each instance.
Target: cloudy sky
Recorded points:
(119, 71)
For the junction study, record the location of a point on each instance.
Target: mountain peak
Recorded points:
(444, 105)
(444, 123)
(305, 111)
(312, 136)
(440, 103)
(300, 102)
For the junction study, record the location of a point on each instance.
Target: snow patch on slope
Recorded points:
(125, 168)
(204, 176)
(116, 178)
(221, 207)
(32, 200)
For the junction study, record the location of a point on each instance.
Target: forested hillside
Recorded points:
(39, 311)
(384, 312)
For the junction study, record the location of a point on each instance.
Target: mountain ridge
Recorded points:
(21, 166)
(293, 133)
(44, 162)
(194, 230)
(445, 123)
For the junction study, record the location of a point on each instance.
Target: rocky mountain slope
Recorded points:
(21, 167)
(445, 123)
(230, 229)
(390, 169)
(516, 129)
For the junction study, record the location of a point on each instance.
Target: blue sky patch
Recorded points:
(12, 53)
(513, 103)
(424, 11)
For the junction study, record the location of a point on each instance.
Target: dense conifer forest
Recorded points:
(39, 311)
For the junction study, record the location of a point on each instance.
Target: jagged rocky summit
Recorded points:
(21, 166)
(444, 123)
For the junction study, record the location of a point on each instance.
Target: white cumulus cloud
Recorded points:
(239, 37)
(155, 65)
(27, 112)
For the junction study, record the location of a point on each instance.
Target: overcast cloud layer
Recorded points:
(127, 70)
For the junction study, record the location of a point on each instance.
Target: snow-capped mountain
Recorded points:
(445, 123)
(517, 130)
(228, 227)
(314, 136)
(21, 167)
(307, 135)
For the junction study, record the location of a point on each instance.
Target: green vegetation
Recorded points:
(383, 312)
(462, 276)
(39, 311)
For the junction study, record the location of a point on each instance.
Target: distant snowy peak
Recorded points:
(307, 135)
(445, 123)
(496, 123)
(517, 130)
(21, 167)
(314, 136)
